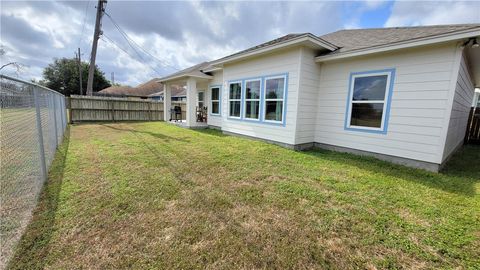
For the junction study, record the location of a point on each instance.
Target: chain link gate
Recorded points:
(32, 124)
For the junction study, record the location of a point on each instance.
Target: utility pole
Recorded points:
(79, 60)
(113, 78)
(96, 36)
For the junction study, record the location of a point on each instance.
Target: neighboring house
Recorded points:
(399, 94)
(156, 96)
(151, 89)
(141, 91)
(178, 94)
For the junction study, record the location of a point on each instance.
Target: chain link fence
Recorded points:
(32, 123)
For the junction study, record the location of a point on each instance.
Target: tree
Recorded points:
(16, 65)
(62, 75)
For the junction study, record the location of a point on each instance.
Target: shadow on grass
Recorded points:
(177, 169)
(153, 134)
(33, 247)
(211, 132)
(460, 175)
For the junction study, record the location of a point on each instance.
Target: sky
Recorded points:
(169, 36)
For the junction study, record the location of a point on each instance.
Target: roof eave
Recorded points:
(401, 45)
(186, 76)
(212, 69)
(296, 41)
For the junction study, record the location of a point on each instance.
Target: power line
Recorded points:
(141, 58)
(125, 36)
(128, 39)
(109, 40)
(131, 46)
(126, 52)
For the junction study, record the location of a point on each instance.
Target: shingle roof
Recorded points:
(278, 41)
(349, 40)
(141, 90)
(150, 88)
(268, 43)
(177, 91)
(191, 71)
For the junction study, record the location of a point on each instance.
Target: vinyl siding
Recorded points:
(418, 108)
(462, 101)
(307, 97)
(215, 120)
(286, 61)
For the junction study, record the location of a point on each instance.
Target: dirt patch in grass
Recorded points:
(151, 195)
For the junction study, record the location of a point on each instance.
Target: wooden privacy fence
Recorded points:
(473, 128)
(93, 108)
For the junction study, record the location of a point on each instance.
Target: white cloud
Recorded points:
(433, 13)
(186, 33)
(355, 11)
(178, 33)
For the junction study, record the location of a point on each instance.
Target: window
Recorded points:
(235, 99)
(252, 99)
(215, 99)
(201, 99)
(368, 102)
(274, 98)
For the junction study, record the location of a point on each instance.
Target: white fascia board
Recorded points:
(211, 69)
(186, 76)
(401, 45)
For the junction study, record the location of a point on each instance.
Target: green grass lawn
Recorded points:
(152, 195)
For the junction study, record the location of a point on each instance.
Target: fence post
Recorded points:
(64, 113)
(55, 121)
(70, 113)
(43, 165)
(149, 111)
(113, 110)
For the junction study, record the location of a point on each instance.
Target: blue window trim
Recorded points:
(285, 90)
(261, 119)
(244, 100)
(386, 113)
(241, 99)
(219, 86)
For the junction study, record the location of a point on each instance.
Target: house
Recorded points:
(399, 94)
(177, 94)
(156, 96)
(140, 91)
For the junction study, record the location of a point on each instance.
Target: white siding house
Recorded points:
(215, 118)
(308, 97)
(404, 98)
(462, 99)
(418, 110)
(284, 63)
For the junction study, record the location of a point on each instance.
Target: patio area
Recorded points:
(183, 124)
(197, 85)
(152, 195)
